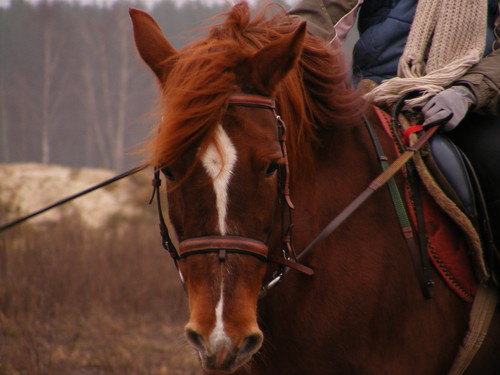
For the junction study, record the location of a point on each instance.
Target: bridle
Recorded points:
(223, 245)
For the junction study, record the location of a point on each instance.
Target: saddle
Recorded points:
(460, 244)
(455, 175)
(450, 178)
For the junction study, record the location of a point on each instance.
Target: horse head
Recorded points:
(222, 159)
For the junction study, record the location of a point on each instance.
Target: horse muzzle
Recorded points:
(220, 354)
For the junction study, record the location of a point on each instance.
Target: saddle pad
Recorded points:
(447, 245)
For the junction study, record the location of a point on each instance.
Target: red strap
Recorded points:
(385, 119)
(411, 130)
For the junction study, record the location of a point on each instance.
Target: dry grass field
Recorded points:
(77, 301)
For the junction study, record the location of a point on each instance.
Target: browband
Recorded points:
(251, 100)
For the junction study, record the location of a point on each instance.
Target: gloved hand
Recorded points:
(453, 102)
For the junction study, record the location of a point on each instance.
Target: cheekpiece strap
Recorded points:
(165, 235)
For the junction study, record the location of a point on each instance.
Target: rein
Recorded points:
(376, 184)
(419, 256)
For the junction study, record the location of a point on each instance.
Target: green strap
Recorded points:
(399, 206)
(416, 252)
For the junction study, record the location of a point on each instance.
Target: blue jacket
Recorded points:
(384, 26)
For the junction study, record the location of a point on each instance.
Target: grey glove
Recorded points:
(452, 103)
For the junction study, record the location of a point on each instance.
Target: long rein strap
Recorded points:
(376, 184)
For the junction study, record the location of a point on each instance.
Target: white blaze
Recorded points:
(219, 165)
(218, 337)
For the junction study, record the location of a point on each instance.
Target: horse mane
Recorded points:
(313, 96)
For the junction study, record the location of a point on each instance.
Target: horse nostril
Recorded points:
(195, 339)
(251, 344)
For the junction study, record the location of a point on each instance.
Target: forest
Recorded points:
(73, 90)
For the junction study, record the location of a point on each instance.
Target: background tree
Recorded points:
(72, 89)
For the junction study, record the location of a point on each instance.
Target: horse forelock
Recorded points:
(312, 96)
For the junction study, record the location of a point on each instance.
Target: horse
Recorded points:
(257, 118)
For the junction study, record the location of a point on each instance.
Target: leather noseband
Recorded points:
(238, 245)
(223, 245)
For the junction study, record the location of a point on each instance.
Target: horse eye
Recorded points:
(271, 168)
(168, 173)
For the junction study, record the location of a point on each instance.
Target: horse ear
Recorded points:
(152, 45)
(271, 64)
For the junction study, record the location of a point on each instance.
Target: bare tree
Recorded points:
(106, 74)
(72, 89)
(4, 133)
(94, 132)
(53, 78)
(123, 91)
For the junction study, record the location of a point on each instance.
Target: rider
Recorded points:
(452, 55)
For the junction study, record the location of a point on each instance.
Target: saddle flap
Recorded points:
(452, 174)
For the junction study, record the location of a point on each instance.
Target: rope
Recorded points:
(481, 315)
